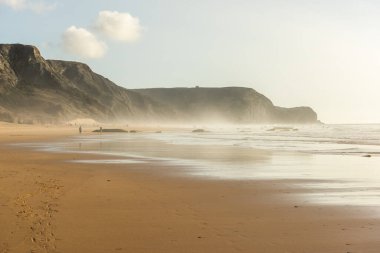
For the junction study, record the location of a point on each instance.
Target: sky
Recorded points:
(324, 54)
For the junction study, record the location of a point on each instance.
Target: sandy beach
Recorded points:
(50, 205)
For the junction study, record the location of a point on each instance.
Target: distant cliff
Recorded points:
(228, 104)
(34, 90)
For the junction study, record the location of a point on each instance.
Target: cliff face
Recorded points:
(33, 89)
(228, 104)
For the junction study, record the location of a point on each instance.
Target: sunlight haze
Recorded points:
(322, 54)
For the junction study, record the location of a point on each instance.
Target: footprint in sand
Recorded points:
(37, 208)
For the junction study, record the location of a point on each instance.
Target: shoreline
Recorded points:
(49, 205)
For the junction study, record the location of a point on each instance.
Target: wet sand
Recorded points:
(50, 205)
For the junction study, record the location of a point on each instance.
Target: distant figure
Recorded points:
(80, 129)
(101, 129)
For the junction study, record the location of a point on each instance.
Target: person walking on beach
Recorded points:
(80, 129)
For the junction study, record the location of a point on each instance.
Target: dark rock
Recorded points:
(199, 130)
(283, 129)
(110, 131)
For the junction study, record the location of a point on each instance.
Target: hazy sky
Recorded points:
(325, 54)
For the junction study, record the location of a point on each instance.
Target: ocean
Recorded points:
(333, 164)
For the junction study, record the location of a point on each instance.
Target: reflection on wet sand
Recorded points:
(324, 178)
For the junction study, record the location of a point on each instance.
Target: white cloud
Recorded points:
(118, 26)
(79, 41)
(36, 6)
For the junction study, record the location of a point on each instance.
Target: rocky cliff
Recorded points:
(228, 104)
(33, 89)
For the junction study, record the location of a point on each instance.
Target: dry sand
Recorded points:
(50, 205)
